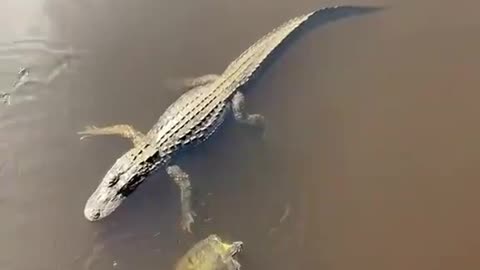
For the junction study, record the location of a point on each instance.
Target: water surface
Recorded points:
(372, 137)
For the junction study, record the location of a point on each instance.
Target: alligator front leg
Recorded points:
(125, 131)
(181, 178)
(5, 98)
(238, 107)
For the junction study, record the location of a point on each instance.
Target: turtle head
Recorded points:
(225, 248)
(236, 247)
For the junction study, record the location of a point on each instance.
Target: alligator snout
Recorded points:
(92, 215)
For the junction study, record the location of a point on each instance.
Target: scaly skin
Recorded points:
(190, 120)
(211, 254)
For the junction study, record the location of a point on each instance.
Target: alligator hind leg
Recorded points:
(238, 107)
(125, 131)
(181, 178)
(186, 84)
(199, 81)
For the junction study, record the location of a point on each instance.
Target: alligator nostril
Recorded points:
(96, 216)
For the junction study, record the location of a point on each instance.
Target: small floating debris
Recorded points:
(272, 231)
(61, 53)
(40, 45)
(206, 220)
(42, 40)
(24, 79)
(285, 215)
(5, 98)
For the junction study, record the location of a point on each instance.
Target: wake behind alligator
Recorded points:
(192, 119)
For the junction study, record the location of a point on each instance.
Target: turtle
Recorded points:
(211, 253)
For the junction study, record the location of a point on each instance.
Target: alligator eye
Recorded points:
(113, 181)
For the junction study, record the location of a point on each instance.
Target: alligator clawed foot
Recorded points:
(125, 131)
(88, 132)
(258, 121)
(181, 179)
(240, 114)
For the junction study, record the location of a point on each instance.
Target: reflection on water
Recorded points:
(370, 160)
(39, 67)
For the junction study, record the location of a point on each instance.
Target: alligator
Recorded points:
(191, 120)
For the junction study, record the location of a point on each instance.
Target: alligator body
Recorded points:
(190, 120)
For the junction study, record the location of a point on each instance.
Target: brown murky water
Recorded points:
(372, 145)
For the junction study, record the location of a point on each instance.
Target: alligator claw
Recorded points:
(88, 132)
(187, 221)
